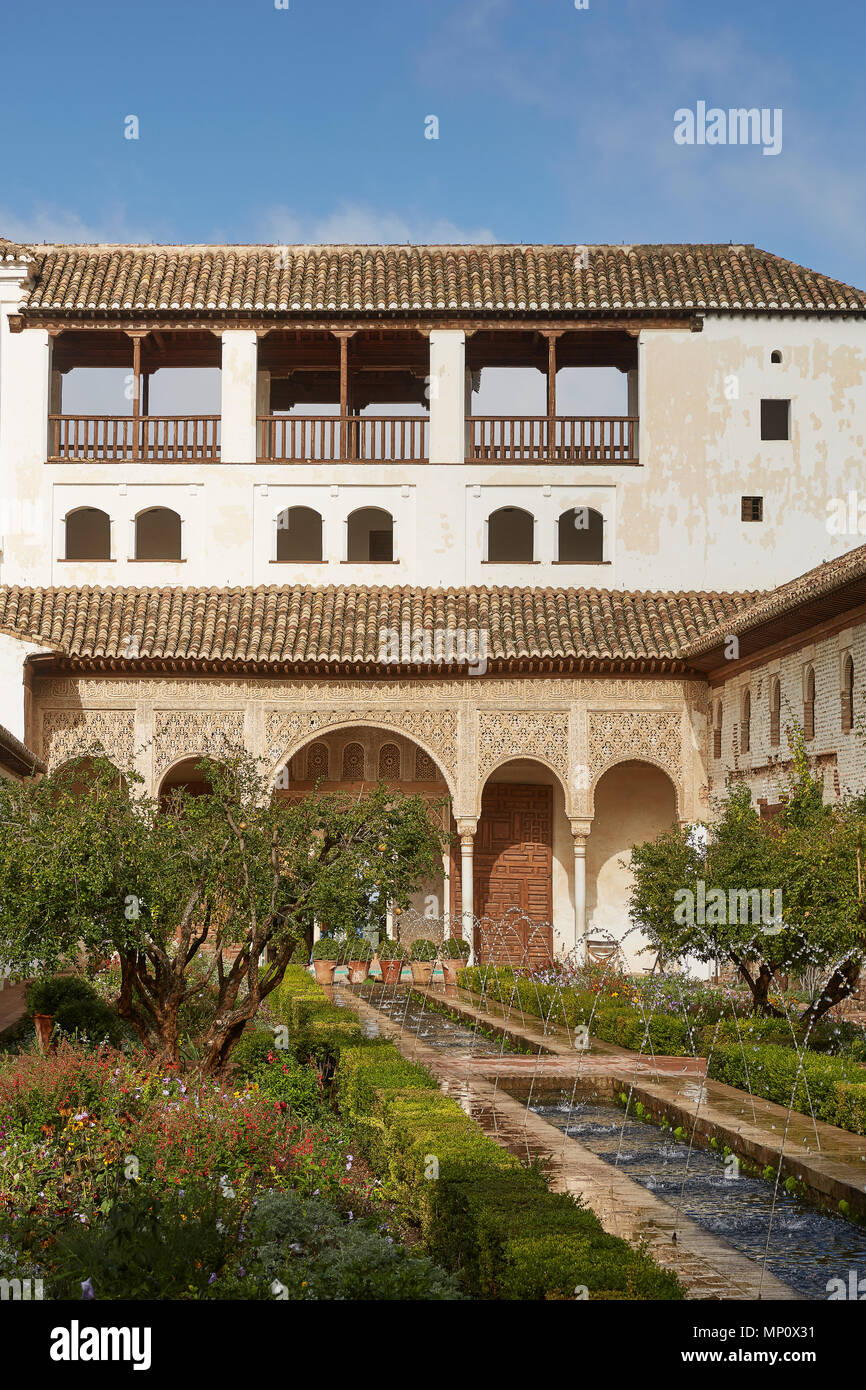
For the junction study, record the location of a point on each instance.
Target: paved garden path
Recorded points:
(707, 1265)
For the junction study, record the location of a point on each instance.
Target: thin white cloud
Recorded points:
(359, 223)
(51, 223)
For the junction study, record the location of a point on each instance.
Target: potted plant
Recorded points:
(391, 956)
(51, 1000)
(356, 953)
(453, 955)
(325, 955)
(422, 954)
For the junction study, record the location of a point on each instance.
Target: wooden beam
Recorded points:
(520, 321)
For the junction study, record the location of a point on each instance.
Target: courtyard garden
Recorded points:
(184, 1115)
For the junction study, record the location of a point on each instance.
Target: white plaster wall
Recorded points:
(13, 694)
(634, 802)
(546, 502)
(701, 451)
(24, 377)
(672, 523)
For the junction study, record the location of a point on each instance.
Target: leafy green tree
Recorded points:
(214, 891)
(812, 855)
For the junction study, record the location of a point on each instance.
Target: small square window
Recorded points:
(752, 508)
(774, 419)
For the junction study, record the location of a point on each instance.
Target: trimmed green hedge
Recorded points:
(835, 1087)
(775, 1032)
(316, 1027)
(481, 1213)
(609, 1022)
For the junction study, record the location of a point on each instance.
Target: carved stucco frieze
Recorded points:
(539, 734)
(70, 733)
(488, 692)
(183, 733)
(437, 729)
(614, 736)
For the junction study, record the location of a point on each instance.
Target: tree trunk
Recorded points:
(759, 987)
(841, 984)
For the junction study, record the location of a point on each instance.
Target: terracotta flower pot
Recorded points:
(449, 970)
(324, 970)
(422, 972)
(358, 971)
(44, 1028)
(391, 971)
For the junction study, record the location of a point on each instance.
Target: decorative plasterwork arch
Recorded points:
(434, 731)
(653, 761)
(541, 735)
(72, 733)
(188, 733)
(525, 757)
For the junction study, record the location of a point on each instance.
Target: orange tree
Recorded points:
(811, 855)
(216, 891)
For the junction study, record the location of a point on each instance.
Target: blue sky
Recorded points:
(555, 124)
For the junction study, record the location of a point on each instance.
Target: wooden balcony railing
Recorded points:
(562, 439)
(363, 438)
(150, 439)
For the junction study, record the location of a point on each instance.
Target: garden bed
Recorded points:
(479, 1211)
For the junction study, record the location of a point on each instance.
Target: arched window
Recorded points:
(425, 768)
(581, 536)
(187, 777)
(157, 534)
(317, 762)
(809, 703)
(848, 694)
(746, 723)
(717, 731)
(299, 534)
(775, 712)
(389, 762)
(353, 763)
(371, 536)
(88, 534)
(776, 355)
(511, 535)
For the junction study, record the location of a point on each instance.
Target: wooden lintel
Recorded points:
(520, 321)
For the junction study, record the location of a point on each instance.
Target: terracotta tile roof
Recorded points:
(417, 279)
(10, 251)
(835, 585)
(340, 628)
(17, 756)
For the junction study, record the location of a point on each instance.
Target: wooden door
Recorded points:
(514, 869)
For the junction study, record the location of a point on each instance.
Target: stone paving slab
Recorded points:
(828, 1160)
(708, 1266)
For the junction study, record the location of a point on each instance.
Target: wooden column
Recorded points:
(551, 392)
(136, 399)
(347, 431)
